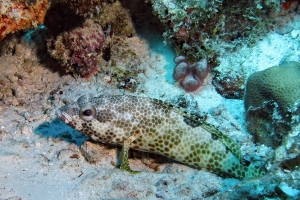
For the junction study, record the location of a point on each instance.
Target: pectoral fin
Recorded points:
(124, 155)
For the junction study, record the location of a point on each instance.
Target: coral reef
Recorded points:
(199, 27)
(83, 46)
(21, 15)
(115, 18)
(121, 64)
(190, 76)
(85, 7)
(78, 50)
(270, 98)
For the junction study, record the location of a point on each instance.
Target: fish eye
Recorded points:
(87, 112)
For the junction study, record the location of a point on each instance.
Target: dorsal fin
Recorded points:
(227, 141)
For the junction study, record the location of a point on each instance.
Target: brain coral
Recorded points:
(268, 95)
(278, 83)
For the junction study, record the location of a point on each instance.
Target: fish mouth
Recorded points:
(63, 115)
(59, 114)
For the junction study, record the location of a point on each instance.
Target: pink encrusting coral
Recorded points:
(79, 50)
(190, 76)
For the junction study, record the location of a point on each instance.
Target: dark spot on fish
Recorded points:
(191, 122)
(214, 137)
(246, 162)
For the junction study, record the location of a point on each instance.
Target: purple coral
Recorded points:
(190, 76)
(78, 50)
(84, 45)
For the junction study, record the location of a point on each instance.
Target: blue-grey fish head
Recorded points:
(70, 115)
(78, 113)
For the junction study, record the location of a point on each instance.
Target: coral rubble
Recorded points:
(21, 15)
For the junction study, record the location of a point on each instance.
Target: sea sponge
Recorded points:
(278, 83)
(190, 76)
(79, 50)
(21, 15)
(270, 98)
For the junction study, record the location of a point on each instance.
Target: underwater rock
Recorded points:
(24, 80)
(291, 164)
(270, 100)
(229, 86)
(129, 83)
(284, 29)
(266, 124)
(288, 190)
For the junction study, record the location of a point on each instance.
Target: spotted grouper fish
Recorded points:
(155, 126)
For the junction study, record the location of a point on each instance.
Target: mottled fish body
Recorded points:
(155, 126)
